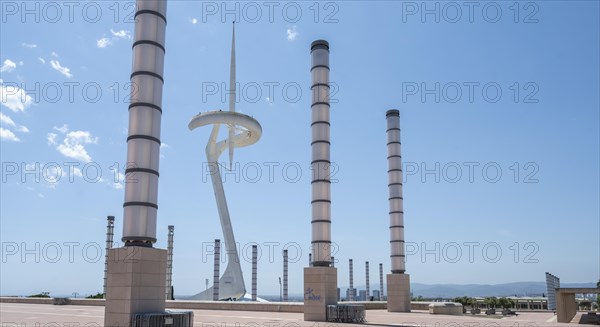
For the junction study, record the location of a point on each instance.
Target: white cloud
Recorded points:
(7, 135)
(8, 66)
(14, 98)
(120, 180)
(116, 36)
(42, 60)
(194, 21)
(54, 54)
(63, 70)
(122, 34)
(163, 146)
(103, 43)
(73, 145)
(292, 33)
(6, 120)
(63, 129)
(51, 137)
(22, 129)
(29, 45)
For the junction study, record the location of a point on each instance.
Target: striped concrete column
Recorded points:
(395, 192)
(254, 271)
(351, 272)
(145, 110)
(110, 227)
(170, 262)
(368, 287)
(285, 275)
(381, 281)
(216, 271)
(320, 164)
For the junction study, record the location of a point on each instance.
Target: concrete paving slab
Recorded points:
(45, 315)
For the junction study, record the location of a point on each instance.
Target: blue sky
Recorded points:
(517, 93)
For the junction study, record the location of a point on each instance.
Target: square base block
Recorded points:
(136, 283)
(398, 289)
(320, 290)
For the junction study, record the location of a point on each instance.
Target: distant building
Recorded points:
(362, 295)
(338, 295)
(348, 294)
(376, 295)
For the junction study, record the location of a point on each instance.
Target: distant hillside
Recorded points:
(480, 290)
(509, 289)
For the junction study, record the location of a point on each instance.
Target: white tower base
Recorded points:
(398, 289)
(320, 290)
(135, 284)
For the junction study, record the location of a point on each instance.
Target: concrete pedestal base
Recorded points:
(320, 290)
(398, 289)
(446, 308)
(566, 307)
(136, 282)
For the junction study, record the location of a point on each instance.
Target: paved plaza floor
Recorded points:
(38, 315)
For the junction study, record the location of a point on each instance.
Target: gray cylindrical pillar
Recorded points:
(145, 111)
(381, 282)
(216, 272)
(367, 280)
(351, 271)
(395, 191)
(285, 275)
(320, 164)
(170, 262)
(110, 227)
(254, 271)
(310, 260)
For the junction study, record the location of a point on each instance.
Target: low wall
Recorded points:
(294, 307)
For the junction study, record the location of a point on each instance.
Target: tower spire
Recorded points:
(232, 96)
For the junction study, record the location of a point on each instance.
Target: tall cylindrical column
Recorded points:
(285, 275)
(368, 287)
(170, 262)
(254, 270)
(395, 191)
(110, 227)
(145, 111)
(216, 271)
(320, 164)
(381, 282)
(351, 271)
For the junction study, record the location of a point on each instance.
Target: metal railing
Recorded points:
(164, 319)
(354, 313)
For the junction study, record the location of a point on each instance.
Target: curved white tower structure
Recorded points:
(243, 130)
(398, 282)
